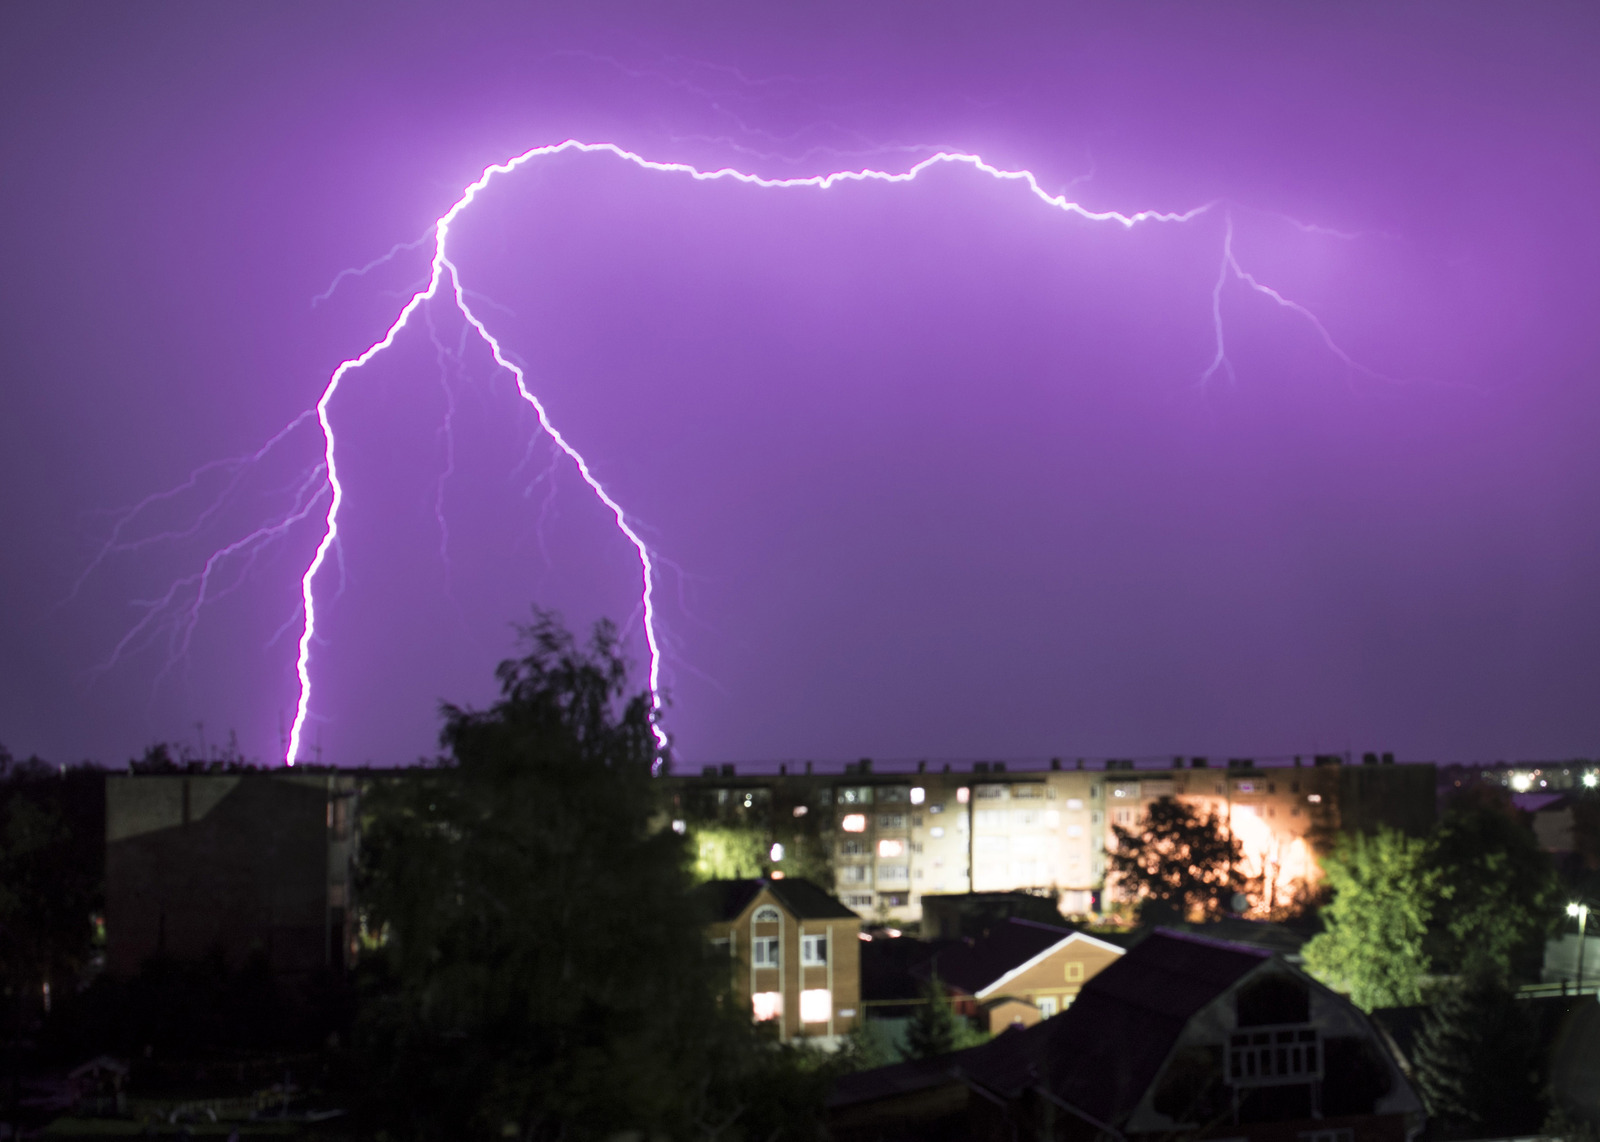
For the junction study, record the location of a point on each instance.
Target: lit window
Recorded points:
(1314, 798)
(813, 953)
(764, 951)
(891, 848)
(854, 823)
(776, 852)
(962, 794)
(1047, 1006)
(918, 795)
(1074, 803)
(816, 1005)
(767, 1005)
(936, 832)
(801, 810)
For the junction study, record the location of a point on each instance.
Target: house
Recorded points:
(1020, 971)
(1181, 1037)
(793, 951)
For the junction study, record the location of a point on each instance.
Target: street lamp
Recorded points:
(1581, 911)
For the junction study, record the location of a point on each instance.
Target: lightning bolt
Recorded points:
(444, 277)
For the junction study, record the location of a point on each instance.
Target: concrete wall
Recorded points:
(237, 863)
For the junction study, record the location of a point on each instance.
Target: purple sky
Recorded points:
(932, 464)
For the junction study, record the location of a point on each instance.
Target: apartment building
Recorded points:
(893, 837)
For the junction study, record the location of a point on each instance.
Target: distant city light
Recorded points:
(800, 810)
(854, 823)
(918, 794)
(1590, 780)
(776, 852)
(680, 827)
(1521, 782)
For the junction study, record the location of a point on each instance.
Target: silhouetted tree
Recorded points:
(52, 872)
(1179, 861)
(935, 1029)
(541, 970)
(1372, 946)
(1499, 895)
(1478, 1062)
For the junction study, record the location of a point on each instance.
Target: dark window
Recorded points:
(1273, 999)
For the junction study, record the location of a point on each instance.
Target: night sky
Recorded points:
(932, 468)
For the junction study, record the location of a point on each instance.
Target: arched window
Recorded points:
(767, 915)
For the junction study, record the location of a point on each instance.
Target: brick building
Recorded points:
(793, 953)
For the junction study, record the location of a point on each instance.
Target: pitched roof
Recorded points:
(1104, 1051)
(1002, 951)
(727, 899)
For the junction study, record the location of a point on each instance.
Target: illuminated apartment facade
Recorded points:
(894, 837)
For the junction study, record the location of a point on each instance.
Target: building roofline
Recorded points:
(984, 992)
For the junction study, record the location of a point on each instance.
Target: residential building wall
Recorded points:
(895, 836)
(244, 864)
(1054, 982)
(791, 976)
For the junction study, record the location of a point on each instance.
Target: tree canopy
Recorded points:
(1372, 947)
(1179, 862)
(1499, 895)
(542, 971)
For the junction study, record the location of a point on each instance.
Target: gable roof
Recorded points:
(1105, 1050)
(1102, 1053)
(727, 899)
(1002, 953)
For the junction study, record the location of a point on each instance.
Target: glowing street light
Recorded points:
(1581, 911)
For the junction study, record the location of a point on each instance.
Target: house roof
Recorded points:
(1102, 1053)
(727, 899)
(1002, 952)
(1105, 1050)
